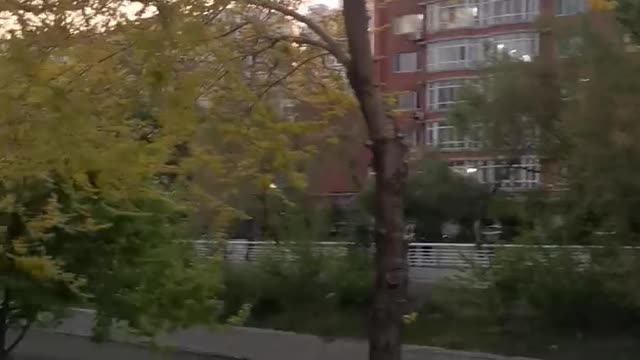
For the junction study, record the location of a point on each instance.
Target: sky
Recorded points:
(332, 3)
(327, 2)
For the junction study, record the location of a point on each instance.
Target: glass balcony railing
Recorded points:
(457, 14)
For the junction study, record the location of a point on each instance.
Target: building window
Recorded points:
(480, 169)
(519, 173)
(523, 46)
(431, 133)
(447, 138)
(512, 174)
(407, 101)
(407, 24)
(569, 7)
(288, 109)
(469, 53)
(442, 94)
(452, 14)
(453, 55)
(405, 62)
(450, 139)
(497, 12)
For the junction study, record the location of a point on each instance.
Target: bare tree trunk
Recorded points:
(391, 280)
(4, 317)
(389, 162)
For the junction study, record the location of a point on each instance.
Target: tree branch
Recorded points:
(23, 331)
(88, 67)
(293, 70)
(327, 41)
(302, 40)
(257, 52)
(4, 318)
(215, 15)
(361, 72)
(232, 30)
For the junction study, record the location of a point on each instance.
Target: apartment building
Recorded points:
(428, 50)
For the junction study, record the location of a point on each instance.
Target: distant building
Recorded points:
(427, 51)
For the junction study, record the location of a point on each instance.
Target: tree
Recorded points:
(162, 58)
(435, 195)
(115, 128)
(31, 280)
(389, 162)
(576, 112)
(82, 219)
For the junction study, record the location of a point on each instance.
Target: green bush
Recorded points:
(533, 297)
(530, 301)
(561, 292)
(307, 282)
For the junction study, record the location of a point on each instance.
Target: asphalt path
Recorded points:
(44, 345)
(71, 341)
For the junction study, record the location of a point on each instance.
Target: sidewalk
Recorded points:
(43, 345)
(261, 344)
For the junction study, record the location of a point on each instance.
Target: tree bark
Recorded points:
(4, 324)
(389, 162)
(391, 274)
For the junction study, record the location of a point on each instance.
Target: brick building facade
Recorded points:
(428, 50)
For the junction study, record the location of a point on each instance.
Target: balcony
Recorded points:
(442, 137)
(460, 14)
(514, 175)
(458, 145)
(472, 53)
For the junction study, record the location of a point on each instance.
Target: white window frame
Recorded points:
(436, 52)
(482, 13)
(511, 45)
(434, 12)
(523, 175)
(399, 104)
(485, 173)
(569, 7)
(500, 12)
(433, 93)
(406, 24)
(434, 131)
(481, 49)
(397, 60)
(526, 174)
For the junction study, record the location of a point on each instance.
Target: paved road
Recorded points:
(43, 345)
(69, 340)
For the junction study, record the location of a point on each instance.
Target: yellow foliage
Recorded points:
(410, 318)
(114, 115)
(602, 5)
(40, 268)
(51, 216)
(20, 246)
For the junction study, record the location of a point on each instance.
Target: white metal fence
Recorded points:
(427, 261)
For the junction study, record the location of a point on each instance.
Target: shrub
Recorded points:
(532, 292)
(307, 281)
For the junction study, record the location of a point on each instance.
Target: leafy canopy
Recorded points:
(116, 126)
